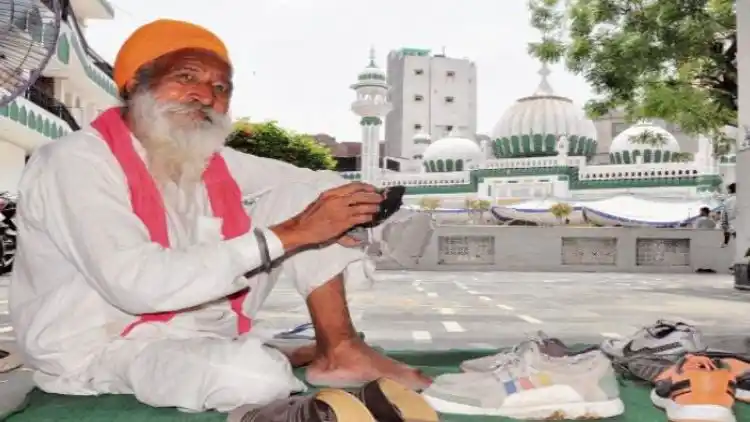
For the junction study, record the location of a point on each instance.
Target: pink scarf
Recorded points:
(223, 194)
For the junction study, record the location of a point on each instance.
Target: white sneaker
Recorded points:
(664, 338)
(533, 386)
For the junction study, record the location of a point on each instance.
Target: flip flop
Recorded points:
(327, 405)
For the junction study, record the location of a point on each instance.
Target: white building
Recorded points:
(74, 88)
(431, 94)
(543, 147)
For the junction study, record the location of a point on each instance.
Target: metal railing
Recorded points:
(96, 59)
(53, 105)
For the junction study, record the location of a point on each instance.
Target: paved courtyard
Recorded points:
(438, 310)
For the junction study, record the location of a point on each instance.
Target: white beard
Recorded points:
(178, 147)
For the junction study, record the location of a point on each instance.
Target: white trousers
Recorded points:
(172, 365)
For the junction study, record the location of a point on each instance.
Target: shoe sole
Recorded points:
(567, 411)
(692, 413)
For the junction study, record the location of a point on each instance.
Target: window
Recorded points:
(418, 98)
(449, 99)
(418, 72)
(450, 73)
(449, 128)
(417, 127)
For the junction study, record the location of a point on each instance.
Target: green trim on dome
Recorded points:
(371, 75)
(442, 166)
(648, 155)
(539, 145)
(370, 121)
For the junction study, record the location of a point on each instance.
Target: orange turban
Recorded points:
(161, 37)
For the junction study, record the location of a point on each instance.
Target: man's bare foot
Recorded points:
(301, 356)
(353, 363)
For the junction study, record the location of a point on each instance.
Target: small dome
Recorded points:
(422, 138)
(644, 142)
(451, 154)
(372, 72)
(532, 126)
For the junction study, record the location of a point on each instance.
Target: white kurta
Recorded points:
(85, 266)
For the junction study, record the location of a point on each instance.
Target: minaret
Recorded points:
(371, 105)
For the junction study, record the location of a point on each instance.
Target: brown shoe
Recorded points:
(327, 405)
(389, 401)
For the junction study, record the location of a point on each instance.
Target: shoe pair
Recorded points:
(703, 387)
(382, 400)
(530, 384)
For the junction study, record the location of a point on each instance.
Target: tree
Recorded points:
(269, 140)
(561, 211)
(429, 204)
(682, 157)
(477, 207)
(670, 59)
(649, 138)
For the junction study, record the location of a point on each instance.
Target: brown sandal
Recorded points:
(327, 405)
(389, 401)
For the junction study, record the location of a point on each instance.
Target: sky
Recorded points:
(295, 59)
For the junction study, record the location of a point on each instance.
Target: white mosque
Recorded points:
(539, 154)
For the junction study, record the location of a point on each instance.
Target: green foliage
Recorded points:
(269, 140)
(682, 157)
(669, 59)
(428, 203)
(650, 138)
(561, 210)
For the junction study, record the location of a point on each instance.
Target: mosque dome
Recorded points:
(451, 154)
(532, 126)
(372, 73)
(422, 138)
(643, 142)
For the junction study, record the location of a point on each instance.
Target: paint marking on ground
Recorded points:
(4, 330)
(611, 335)
(447, 311)
(472, 292)
(506, 307)
(3, 301)
(419, 289)
(432, 294)
(530, 320)
(485, 298)
(460, 285)
(422, 336)
(453, 327)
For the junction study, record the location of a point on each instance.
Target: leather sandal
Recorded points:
(327, 405)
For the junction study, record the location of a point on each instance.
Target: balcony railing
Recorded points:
(53, 105)
(96, 59)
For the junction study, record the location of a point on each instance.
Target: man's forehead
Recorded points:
(200, 60)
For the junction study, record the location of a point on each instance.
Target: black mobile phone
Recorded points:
(394, 199)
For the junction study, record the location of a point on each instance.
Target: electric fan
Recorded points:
(28, 36)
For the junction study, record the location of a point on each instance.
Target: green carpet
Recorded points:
(53, 408)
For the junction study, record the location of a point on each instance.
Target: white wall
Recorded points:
(12, 159)
(743, 155)
(428, 77)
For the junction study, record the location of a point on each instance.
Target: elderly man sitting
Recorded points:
(138, 269)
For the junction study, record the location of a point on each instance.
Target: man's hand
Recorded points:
(334, 213)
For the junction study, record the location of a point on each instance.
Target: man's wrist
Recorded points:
(290, 235)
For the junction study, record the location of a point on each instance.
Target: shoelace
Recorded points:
(506, 358)
(697, 362)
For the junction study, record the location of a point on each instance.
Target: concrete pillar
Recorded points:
(742, 170)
